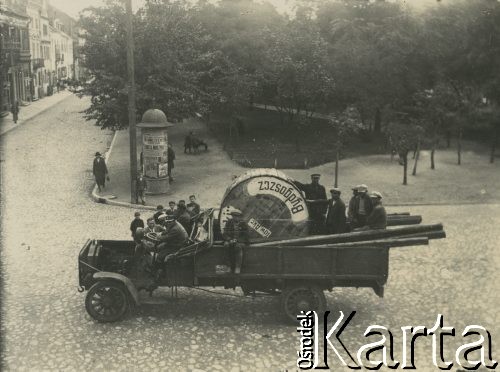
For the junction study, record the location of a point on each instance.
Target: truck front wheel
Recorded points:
(107, 301)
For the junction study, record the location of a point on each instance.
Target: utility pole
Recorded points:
(131, 101)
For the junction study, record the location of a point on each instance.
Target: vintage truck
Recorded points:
(281, 258)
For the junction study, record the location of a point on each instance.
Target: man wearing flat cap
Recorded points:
(99, 170)
(361, 207)
(172, 239)
(315, 195)
(378, 217)
(335, 217)
(235, 238)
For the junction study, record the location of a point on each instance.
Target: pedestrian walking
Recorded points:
(140, 189)
(136, 223)
(15, 111)
(336, 222)
(171, 158)
(100, 171)
(315, 195)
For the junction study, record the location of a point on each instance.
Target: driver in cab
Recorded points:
(172, 239)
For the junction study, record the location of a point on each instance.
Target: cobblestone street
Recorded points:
(47, 215)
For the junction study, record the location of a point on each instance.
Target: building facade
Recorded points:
(15, 55)
(40, 45)
(36, 50)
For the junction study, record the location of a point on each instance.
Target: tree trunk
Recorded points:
(405, 168)
(433, 150)
(459, 146)
(493, 148)
(377, 125)
(417, 155)
(337, 155)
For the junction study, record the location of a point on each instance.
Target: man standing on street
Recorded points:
(315, 195)
(100, 170)
(335, 217)
(140, 189)
(170, 159)
(15, 111)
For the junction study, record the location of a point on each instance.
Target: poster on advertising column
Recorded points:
(155, 152)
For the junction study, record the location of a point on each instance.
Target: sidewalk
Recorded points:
(205, 175)
(208, 174)
(33, 109)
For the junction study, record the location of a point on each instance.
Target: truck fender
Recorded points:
(102, 275)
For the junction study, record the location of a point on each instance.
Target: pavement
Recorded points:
(27, 113)
(47, 216)
(205, 174)
(208, 174)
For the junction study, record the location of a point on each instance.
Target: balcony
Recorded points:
(38, 63)
(24, 56)
(10, 46)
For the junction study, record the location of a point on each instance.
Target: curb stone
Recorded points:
(102, 200)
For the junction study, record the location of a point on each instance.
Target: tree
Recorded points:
(404, 138)
(345, 124)
(295, 72)
(373, 55)
(179, 68)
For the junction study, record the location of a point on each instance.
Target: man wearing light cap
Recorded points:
(378, 217)
(315, 195)
(362, 207)
(335, 217)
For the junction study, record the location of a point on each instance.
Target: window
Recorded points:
(45, 30)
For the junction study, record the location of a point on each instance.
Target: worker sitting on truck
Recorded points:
(378, 218)
(235, 237)
(172, 239)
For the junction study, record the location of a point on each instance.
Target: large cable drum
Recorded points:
(272, 206)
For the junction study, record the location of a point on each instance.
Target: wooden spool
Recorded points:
(272, 206)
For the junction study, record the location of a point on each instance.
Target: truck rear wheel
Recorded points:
(302, 298)
(107, 301)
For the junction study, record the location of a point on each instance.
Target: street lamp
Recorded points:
(131, 100)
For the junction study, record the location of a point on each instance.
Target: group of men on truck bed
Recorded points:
(329, 216)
